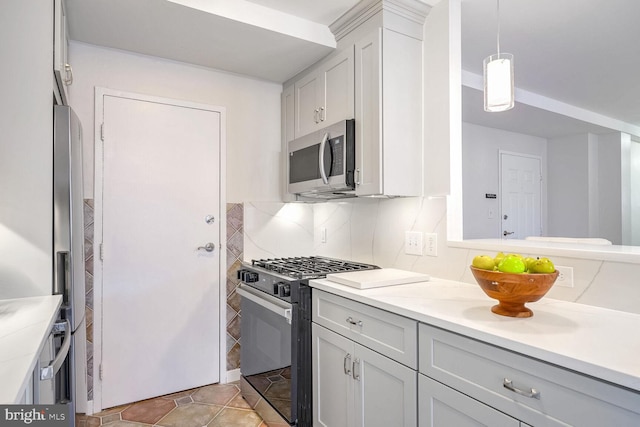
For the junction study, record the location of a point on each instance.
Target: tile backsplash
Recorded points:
(373, 231)
(235, 251)
(88, 283)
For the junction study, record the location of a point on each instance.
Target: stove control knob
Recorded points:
(284, 290)
(247, 276)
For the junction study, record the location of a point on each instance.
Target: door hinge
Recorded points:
(101, 250)
(100, 372)
(102, 131)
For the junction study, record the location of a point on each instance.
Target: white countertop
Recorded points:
(599, 342)
(24, 324)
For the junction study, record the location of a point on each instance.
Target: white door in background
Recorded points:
(160, 293)
(520, 187)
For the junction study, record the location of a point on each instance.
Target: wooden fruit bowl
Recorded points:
(513, 290)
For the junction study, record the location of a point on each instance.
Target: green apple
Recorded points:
(499, 257)
(528, 261)
(512, 264)
(542, 266)
(483, 262)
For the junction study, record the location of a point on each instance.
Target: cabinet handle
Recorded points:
(354, 322)
(322, 114)
(346, 365)
(315, 115)
(357, 176)
(356, 366)
(69, 72)
(508, 384)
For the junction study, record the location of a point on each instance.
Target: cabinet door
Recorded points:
(442, 406)
(337, 90)
(307, 103)
(368, 101)
(385, 391)
(333, 387)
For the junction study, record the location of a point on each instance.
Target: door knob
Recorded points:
(209, 219)
(209, 247)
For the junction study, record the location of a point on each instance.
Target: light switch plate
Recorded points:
(431, 244)
(413, 242)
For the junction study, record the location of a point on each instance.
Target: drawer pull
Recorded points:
(346, 365)
(353, 322)
(356, 369)
(508, 384)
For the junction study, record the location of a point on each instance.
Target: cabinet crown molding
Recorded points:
(412, 12)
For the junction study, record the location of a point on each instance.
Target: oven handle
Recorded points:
(273, 304)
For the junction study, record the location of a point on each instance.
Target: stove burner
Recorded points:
(308, 267)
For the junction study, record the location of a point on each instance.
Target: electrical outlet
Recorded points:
(565, 278)
(413, 242)
(431, 246)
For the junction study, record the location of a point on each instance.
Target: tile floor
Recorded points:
(217, 405)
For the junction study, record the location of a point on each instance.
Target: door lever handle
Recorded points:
(209, 247)
(507, 233)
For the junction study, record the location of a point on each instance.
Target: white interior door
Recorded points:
(160, 293)
(520, 187)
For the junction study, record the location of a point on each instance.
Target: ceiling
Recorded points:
(266, 39)
(580, 52)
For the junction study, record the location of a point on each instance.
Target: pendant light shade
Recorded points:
(498, 77)
(498, 82)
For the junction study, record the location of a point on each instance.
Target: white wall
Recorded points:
(480, 165)
(26, 146)
(568, 186)
(253, 110)
(610, 187)
(589, 191)
(634, 189)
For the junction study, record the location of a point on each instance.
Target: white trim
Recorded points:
(233, 375)
(89, 408)
(475, 81)
(95, 405)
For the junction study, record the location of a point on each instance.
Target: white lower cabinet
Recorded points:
(529, 390)
(356, 386)
(442, 406)
(364, 374)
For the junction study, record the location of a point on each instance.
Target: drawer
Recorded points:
(480, 371)
(387, 333)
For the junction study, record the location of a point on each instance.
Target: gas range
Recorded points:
(281, 276)
(275, 355)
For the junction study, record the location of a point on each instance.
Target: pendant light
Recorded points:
(498, 77)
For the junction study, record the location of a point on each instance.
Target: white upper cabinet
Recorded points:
(62, 71)
(324, 95)
(375, 77)
(388, 89)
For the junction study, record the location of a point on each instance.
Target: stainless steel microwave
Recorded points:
(322, 164)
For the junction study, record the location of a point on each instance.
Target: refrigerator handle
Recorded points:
(62, 274)
(49, 372)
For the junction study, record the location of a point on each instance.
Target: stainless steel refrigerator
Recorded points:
(69, 382)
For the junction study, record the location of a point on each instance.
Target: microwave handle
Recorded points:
(323, 173)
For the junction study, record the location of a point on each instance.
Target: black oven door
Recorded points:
(266, 349)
